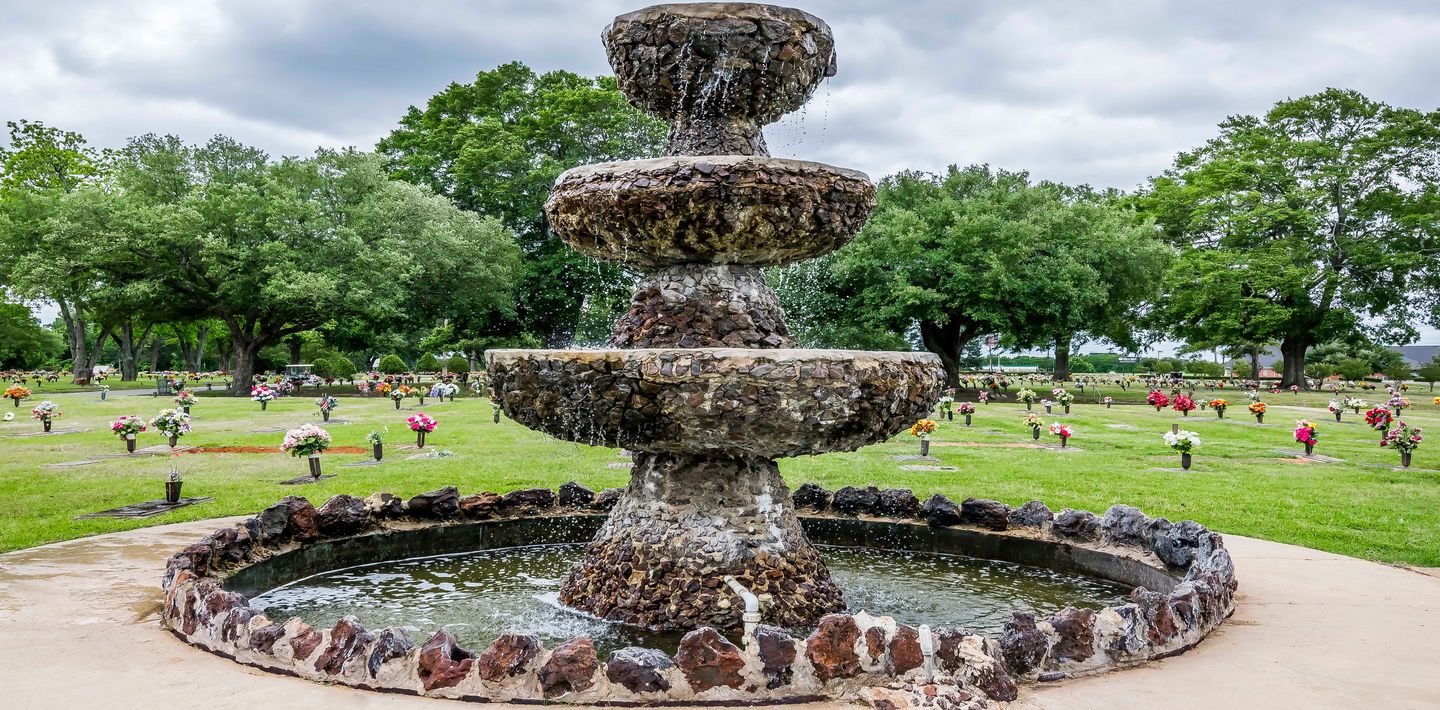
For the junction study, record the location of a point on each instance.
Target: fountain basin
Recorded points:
(718, 209)
(723, 402)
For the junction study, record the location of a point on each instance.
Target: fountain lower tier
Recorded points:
(728, 403)
(684, 524)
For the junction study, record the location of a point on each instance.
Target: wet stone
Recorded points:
(347, 639)
(480, 505)
(1033, 514)
(570, 669)
(507, 656)
(1076, 631)
(940, 512)
(574, 495)
(1077, 524)
(708, 660)
(529, 498)
(606, 499)
(342, 515)
(639, 670)
(389, 645)
(904, 652)
(854, 501)
(811, 496)
(990, 514)
(831, 648)
(1177, 545)
(1022, 645)
(897, 503)
(442, 503)
(777, 652)
(443, 663)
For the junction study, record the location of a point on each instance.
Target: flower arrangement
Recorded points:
(1294, 389)
(1219, 405)
(1253, 395)
(103, 388)
(1184, 404)
(1398, 402)
(1035, 424)
(45, 411)
(363, 387)
(1356, 404)
(306, 440)
(1307, 434)
(983, 397)
(1108, 401)
(1157, 399)
(1436, 400)
(185, 398)
(421, 422)
(171, 422)
(1026, 396)
(262, 393)
(400, 392)
(1258, 409)
(1062, 397)
(1405, 439)
(383, 389)
(1335, 407)
(327, 403)
(947, 400)
(1064, 431)
(127, 426)
(1182, 441)
(967, 408)
(1379, 418)
(375, 438)
(17, 393)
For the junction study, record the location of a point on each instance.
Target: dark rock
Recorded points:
(1132, 633)
(228, 545)
(940, 512)
(305, 641)
(234, 620)
(1031, 515)
(1124, 525)
(1182, 603)
(875, 643)
(292, 516)
(389, 645)
(991, 514)
(263, 639)
(347, 639)
(897, 503)
(1023, 646)
(993, 680)
(831, 647)
(904, 653)
(811, 496)
(606, 499)
(854, 501)
(639, 670)
(1076, 524)
(570, 668)
(342, 515)
(947, 648)
(1177, 546)
(1160, 626)
(1076, 631)
(443, 503)
(528, 498)
(574, 495)
(385, 505)
(218, 602)
(709, 661)
(480, 505)
(1050, 677)
(777, 652)
(507, 656)
(442, 663)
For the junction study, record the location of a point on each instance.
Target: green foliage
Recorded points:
(341, 368)
(495, 146)
(1307, 224)
(1242, 369)
(427, 363)
(24, 343)
(1162, 366)
(392, 365)
(1399, 372)
(457, 364)
(1319, 370)
(1429, 372)
(1081, 364)
(321, 367)
(1353, 368)
(1203, 368)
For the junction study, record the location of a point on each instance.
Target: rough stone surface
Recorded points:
(385, 505)
(1022, 645)
(1075, 629)
(342, 515)
(703, 306)
(1124, 525)
(897, 503)
(777, 652)
(291, 517)
(229, 545)
(812, 496)
(1159, 621)
(904, 654)
(990, 514)
(709, 661)
(263, 639)
(528, 499)
(639, 670)
(686, 523)
(507, 656)
(480, 505)
(442, 503)
(1177, 546)
(389, 645)
(854, 501)
(304, 641)
(1033, 514)
(347, 639)
(940, 512)
(831, 648)
(570, 669)
(442, 663)
(1077, 524)
(574, 495)
(608, 498)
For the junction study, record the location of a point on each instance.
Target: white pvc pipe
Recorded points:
(751, 617)
(927, 649)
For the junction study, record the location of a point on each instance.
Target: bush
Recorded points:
(1319, 370)
(392, 365)
(1399, 372)
(457, 364)
(341, 368)
(1161, 366)
(427, 363)
(321, 367)
(1082, 365)
(1242, 369)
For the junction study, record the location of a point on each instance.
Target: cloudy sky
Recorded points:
(1102, 92)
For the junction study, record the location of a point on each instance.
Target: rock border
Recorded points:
(848, 656)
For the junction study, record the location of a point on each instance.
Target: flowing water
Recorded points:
(479, 595)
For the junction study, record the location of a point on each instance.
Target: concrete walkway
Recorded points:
(1313, 630)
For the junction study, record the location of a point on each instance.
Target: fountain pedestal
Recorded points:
(702, 380)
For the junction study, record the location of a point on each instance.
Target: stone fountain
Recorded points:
(700, 379)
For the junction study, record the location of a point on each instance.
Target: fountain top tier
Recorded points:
(719, 71)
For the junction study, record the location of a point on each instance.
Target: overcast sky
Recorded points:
(1096, 92)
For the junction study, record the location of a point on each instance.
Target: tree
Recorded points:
(1353, 368)
(24, 343)
(392, 365)
(1243, 369)
(341, 368)
(320, 367)
(1429, 372)
(1319, 370)
(496, 145)
(457, 364)
(427, 363)
(1312, 222)
(1399, 372)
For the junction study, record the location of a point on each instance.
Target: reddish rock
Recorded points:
(1076, 629)
(1160, 626)
(528, 498)
(904, 652)
(831, 648)
(263, 639)
(228, 545)
(777, 652)
(570, 668)
(708, 660)
(991, 514)
(347, 639)
(342, 515)
(875, 642)
(235, 620)
(993, 680)
(1182, 603)
(173, 596)
(507, 656)
(305, 641)
(442, 663)
(479, 505)
(1023, 646)
(639, 670)
(291, 517)
(389, 645)
(218, 603)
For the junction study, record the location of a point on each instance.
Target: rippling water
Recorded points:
(479, 595)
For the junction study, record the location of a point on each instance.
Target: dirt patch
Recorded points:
(268, 450)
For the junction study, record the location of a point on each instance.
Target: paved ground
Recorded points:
(1313, 630)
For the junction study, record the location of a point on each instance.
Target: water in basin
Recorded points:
(482, 594)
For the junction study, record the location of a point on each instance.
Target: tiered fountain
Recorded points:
(703, 382)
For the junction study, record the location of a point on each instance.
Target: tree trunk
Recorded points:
(201, 336)
(944, 339)
(294, 344)
(81, 370)
(95, 352)
(1062, 358)
(1292, 351)
(186, 348)
(242, 370)
(130, 347)
(1254, 361)
(155, 344)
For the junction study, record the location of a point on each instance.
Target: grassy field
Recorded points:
(1239, 484)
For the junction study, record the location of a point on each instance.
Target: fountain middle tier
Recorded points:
(719, 402)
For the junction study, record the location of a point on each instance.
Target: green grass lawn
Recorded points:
(1239, 483)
